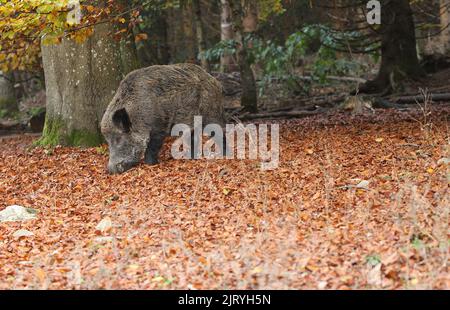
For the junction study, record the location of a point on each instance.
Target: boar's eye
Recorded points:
(122, 120)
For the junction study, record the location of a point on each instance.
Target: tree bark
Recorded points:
(163, 46)
(445, 24)
(398, 48)
(250, 21)
(201, 42)
(188, 35)
(80, 80)
(249, 97)
(226, 34)
(8, 102)
(155, 50)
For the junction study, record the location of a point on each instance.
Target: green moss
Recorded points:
(84, 138)
(55, 133)
(35, 111)
(51, 135)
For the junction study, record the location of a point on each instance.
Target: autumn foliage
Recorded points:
(357, 202)
(24, 24)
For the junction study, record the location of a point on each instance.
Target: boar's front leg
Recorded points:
(153, 148)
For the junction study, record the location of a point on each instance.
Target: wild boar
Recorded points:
(149, 102)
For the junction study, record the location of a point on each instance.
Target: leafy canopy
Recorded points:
(23, 23)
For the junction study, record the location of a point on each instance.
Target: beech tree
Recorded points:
(249, 97)
(80, 80)
(245, 20)
(226, 33)
(83, 60)
(201, 41)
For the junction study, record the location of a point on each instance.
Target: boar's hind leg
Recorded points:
(153, 148)
(195, 146)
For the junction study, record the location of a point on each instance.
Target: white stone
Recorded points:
(22, 233)
(17, 213)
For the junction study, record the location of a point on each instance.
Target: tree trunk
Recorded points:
(8, 102)
(445, 24)
(163, 44)
(226, 34)
(200, 34)
(155, 50)
(249, 97)
(398, 48)
(187, 34)
(80, 80)
(250, 21)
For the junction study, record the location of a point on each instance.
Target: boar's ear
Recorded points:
(122, 120)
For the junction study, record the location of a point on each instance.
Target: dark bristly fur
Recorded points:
(149, 102)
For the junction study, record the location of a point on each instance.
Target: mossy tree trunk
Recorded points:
(80, 81)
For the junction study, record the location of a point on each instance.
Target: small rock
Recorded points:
(103, 239)
(104, 226)
(444, 161)
(17, 213)
(363, 185)
(374, 276)
(322, 285)
(22, 233)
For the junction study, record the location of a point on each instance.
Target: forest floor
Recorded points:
(358, 201)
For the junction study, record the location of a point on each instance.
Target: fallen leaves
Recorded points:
(342, 211)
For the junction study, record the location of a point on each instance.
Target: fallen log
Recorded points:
(10, 125)
(347, 79)
(288, 114)
(329, 77)
(309, 103)
(420, 98)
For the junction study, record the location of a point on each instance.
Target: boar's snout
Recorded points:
(120, 167)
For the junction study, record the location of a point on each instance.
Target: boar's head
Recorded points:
(125, 147)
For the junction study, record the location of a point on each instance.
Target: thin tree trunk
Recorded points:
(164, 53)
(250, 21)
(398, 47)
(200, 34)
(155, 50)
(249, 97)
(8, 102)
(188, 34)
(445, 24)
(226, 34)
